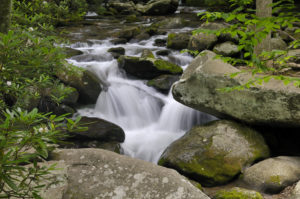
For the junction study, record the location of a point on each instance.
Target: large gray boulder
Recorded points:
(178, 41)
(227, 48)
(272, 103)
(147, 68)
(100, 174)
(274, 174)
(202, 41)
(216, 152)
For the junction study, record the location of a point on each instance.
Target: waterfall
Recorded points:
(151, 120)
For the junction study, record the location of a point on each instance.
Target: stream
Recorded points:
(151, 120)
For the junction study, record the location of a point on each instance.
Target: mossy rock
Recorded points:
(129, 33)
(178, 41)
(163, 83)
(87, 84)
(70, 52)
(147, 68)
(237, 193)
(146, 53)
(214, 153)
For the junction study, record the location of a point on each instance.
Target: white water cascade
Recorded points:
(151, 120)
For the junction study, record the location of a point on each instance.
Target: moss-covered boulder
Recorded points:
(123, 8)
(237, 193)
(274, 174)
(147, 68)
(226, 49)
(163, 83)
(215, 153)
(129, 33)
(178, 41)
(202, 41)
(87, 83)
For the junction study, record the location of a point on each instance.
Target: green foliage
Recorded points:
(25, 139)
(44, 14)
(250, 31)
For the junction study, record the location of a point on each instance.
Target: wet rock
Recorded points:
(92, 173)
(163, 83)
(278, 44)
(142, 36)
(118, 41)
(160, 42)
(100, 130)
(123, 8)
(147, 68)
(237, 193)
(87, 84)
(270, 104)
(117, 52)
(70, 52)
(158, 7)
(178, 41)
(129, 33)
(171, 23)
(163, 52)
(202, 41)
(274, 174)
(146, 53)
(216, 152)
(226, 49)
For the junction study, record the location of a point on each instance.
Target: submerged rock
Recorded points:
(272, 103)
(215, 153)
(237, 193)
(87, 84)
(163, 83)
(96, 173)
(274, 174)
(147, 68)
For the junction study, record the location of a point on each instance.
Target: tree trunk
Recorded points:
(263, 9)
(5, 12)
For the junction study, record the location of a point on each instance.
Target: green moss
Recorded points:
(167, 66)
(171, 36)
(274, 180)
(237, 193)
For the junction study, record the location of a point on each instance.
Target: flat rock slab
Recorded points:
(100, 174)
(271, 104)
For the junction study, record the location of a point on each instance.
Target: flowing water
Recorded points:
(151, 120)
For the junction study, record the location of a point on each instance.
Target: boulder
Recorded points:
(118, 41)
(129, 33)
(216, 152)
(274, 174)
(172, 23)
(296, 191)
(272, 103)
(147, 68)
(226, 49)
(178, 41)
(160, 42)
(237, 193)
(124, 8)
(100, 174)
(278, 44)
(87, 83)
(163, 52)
(116, 52)
(100, 130)
(202, 41)
(163, 83)
(158, 7)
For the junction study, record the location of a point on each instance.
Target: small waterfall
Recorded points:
(150, 119)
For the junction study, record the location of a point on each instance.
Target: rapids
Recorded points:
(151, 120)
